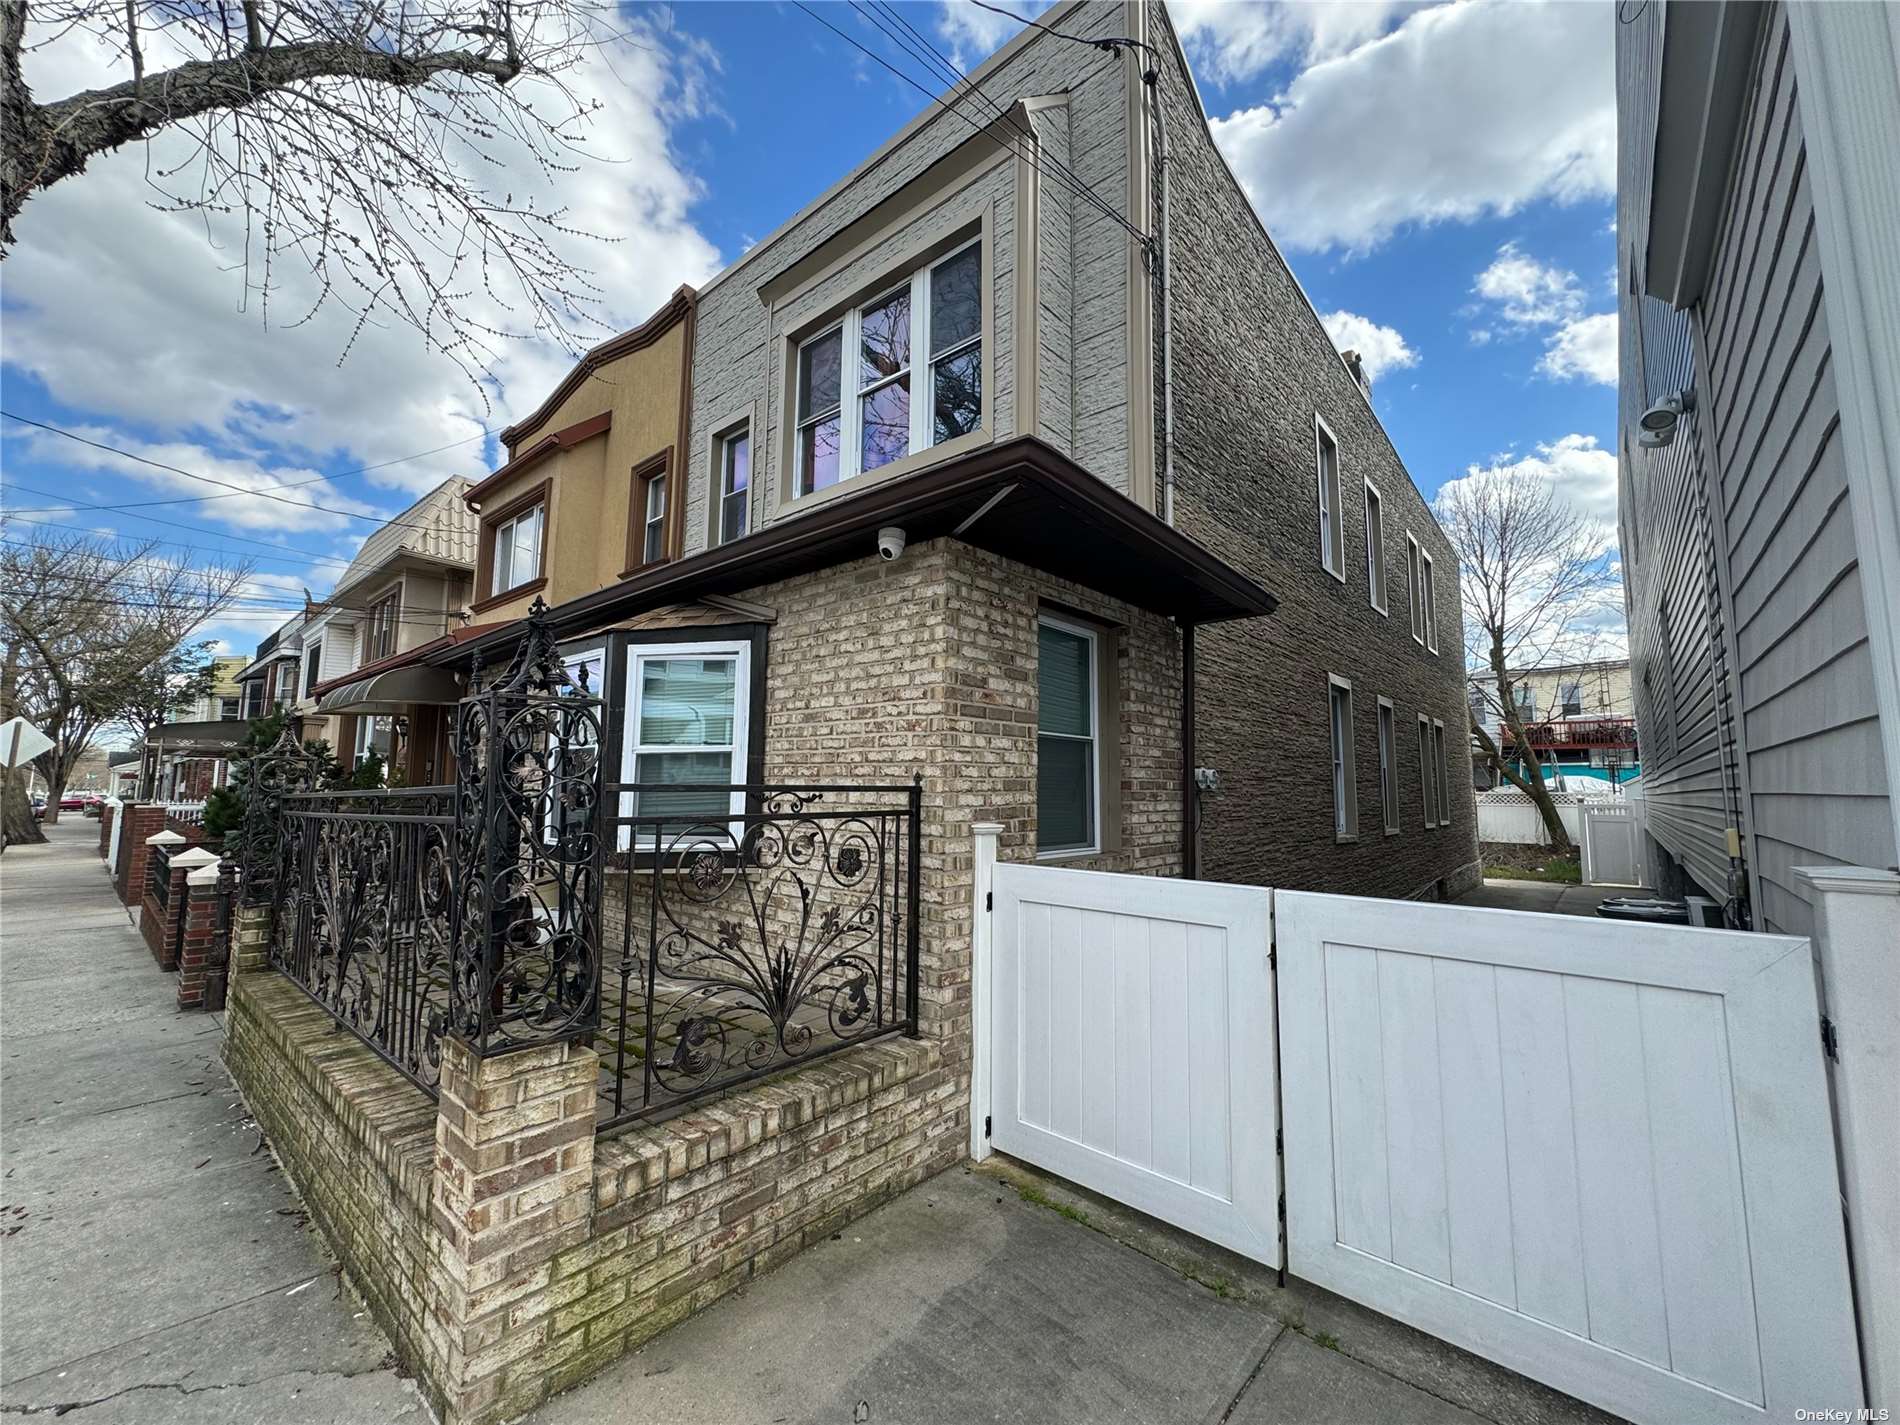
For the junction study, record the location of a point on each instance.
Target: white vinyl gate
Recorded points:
(1133, 1045)
(1609, 845)
(1594, 1152)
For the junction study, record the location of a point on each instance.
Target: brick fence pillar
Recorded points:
(514, 1184)
(159, 923)
(250, 939)
(141, 822)
(193, 913)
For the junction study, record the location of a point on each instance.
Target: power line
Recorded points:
(482, 434)
(1107, 42)
(1084, 191)
(210, 480)
(312, 563)
(170, 524)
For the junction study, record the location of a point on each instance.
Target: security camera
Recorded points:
(890, 542)
(1659, 422)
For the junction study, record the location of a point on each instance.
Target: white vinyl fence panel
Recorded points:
(1609, 843)
(1131, 1044)
(1597, 1153)
(1510, 816)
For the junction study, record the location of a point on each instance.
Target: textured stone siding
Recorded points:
(356, 1139)
(1252, 367)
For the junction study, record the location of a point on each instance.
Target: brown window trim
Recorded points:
(541, 494)
(645, 473)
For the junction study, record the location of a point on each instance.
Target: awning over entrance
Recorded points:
(206, 739)
(387, 692)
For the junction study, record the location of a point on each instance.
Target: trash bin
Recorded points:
(1644, 908)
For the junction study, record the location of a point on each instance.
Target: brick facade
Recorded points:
(160, 924)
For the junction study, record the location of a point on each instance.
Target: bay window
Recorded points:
(897, 375)
(1067, 756)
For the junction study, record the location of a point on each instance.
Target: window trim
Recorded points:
(1426, 782)
(629, 679)
(717, 465)
(313, 667)
(1332, 550)
(1375, 559)
(1388, 730)
(1442, 769)
(1414, 552)
(492, 521)
(370, 606)
(913, 267)
(1097, 819)
(658, 466)
(1428, 579)
(1345, 765)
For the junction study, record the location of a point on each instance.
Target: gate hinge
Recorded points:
(986, 1125)
(1283, 1207)
(1279, 1142)
(989, 900)
(1830, 1043)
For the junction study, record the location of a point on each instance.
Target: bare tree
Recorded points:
(85, 624)
(1537, 580)
(365, 139)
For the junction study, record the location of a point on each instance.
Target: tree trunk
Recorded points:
(1529, 781)
(17, 826)
(55, 789)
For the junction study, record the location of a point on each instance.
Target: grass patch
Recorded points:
(1326, 1339)
(1036, 1197)
(1569, 873)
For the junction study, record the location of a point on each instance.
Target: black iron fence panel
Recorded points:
(158, 876)
(364, 902)
(751, 930)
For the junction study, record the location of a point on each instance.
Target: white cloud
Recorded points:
(140, 318)
(1233, 40)
(1582, 471)
(1382, 349)
(1583, 349)
(974, 33)
(1462, 111)
(1529, 292)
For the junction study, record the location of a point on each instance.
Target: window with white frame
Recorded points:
(1388, 767)
(379, 628)
(1444, 774)
(653, 537)
(1570, 699)
(1430, 588)
(735, 483)
(899, 374)
(685, 733)
(1332, 535)
(1415, 586)
(312, 668)
(375, 735)
(518, 549)
(1068, 771)
(1345, 792)
(1375, 548)
(1427, 783)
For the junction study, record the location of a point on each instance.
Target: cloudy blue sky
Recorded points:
(1440, 176)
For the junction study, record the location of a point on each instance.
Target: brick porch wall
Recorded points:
(140, 822)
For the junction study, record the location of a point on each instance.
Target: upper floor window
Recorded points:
(653, 538)
(1345, 782)
(286, 682)
(379, 629)
(858, 413)
(1422, 594)
(312, 668)
(1332, 535)
(1375, 548)
(518, 549)
(1570, 699)
(1388, 766)
(735, 483)
(227, 709)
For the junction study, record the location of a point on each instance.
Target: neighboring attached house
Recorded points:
(407, 590)
(269, 681)
(1579, 718)
(1760, 329)
(189, 752)
(1099, 427)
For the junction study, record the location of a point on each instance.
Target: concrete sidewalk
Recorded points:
(156, 1266)
(1552, 897)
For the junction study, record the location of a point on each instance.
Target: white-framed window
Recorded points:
(1388, 767)
(1430, 588)
(686, 728)
(1332, 533)
(1427, 783)
(1375, 548)
(1441, 765)
(1570, 699)
(518, 549)
(312, 668)
(653, 537)
(375, 734)
(228, 710)
(735, 483)
(899, 374)
(1068, 745)
(1345, 790)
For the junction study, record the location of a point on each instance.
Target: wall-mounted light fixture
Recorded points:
(1659, 422)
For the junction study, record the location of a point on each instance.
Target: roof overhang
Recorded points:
(1021, 499)
(555, 441)
(391, 690)
(215, 737)
(1707, 59)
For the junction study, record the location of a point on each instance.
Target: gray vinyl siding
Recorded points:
(1804, 670)
(1773, 531)
(1690, 777)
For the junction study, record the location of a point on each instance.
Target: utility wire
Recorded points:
(169, 524)
(1107, 42)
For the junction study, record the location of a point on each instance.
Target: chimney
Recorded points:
(1358, 368)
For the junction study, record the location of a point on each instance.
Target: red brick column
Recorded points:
(193, 912)
(199, 897)
(160, 924)
(141, 822)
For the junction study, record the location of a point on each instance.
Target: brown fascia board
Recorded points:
(536, 453)
(1019, 470)
(679, 307)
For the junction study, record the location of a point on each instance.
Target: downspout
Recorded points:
(1190, 800)
(1151, 79)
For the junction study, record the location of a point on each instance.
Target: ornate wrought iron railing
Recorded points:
(746, 942)
(362, 915)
